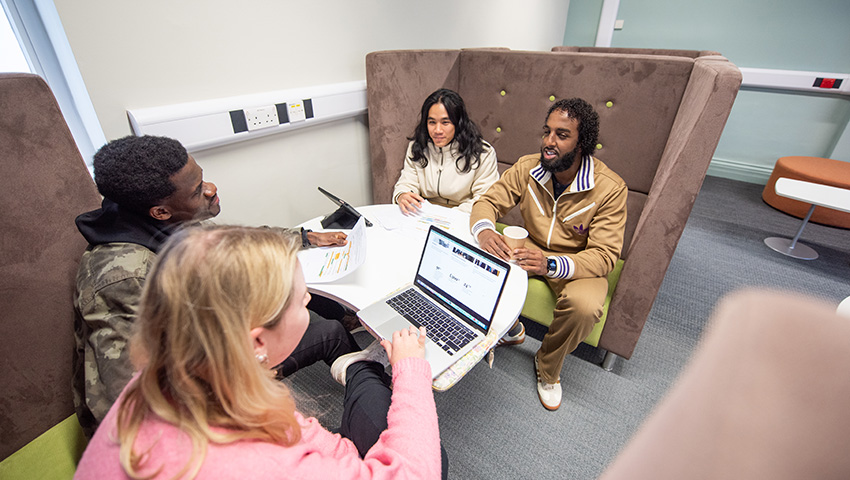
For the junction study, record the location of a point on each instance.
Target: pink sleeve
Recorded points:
(408, 449)
(333, 445)
(411, 444)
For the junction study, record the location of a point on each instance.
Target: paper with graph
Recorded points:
(326, 264)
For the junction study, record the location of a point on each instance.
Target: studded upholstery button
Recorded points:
(502, 93)
(498, 129)
(609, 104)
(551, 98)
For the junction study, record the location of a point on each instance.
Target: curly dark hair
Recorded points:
(135, 172)
(588, 122)
(468, 137)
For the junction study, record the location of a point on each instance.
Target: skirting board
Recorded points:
(744, 172)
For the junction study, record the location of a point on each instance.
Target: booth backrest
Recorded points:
(661, 115)
(638, 51)
(44, 185)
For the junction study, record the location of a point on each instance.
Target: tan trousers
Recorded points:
(577, 310)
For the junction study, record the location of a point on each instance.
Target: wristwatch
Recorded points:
(305, 242)
(551, 266)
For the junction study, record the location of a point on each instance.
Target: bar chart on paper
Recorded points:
(335, 262)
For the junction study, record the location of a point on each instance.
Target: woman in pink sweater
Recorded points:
(221, 306)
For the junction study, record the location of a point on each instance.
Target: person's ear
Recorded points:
(257, 340)
(260, 349)
(160, 212)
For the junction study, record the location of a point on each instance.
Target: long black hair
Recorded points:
(468, 137)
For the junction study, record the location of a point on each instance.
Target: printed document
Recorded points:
(326, 264)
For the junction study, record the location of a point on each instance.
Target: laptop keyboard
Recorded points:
(441, 328)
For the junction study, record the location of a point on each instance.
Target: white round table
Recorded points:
(394, 246)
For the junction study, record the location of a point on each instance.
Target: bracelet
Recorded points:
(305, 242)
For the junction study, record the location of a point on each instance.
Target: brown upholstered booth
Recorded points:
(661, 114)
(44, 185)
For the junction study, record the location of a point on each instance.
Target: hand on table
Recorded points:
(409, 202)
(327, 239)
(405, 344)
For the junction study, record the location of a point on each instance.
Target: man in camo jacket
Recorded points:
(151, 186)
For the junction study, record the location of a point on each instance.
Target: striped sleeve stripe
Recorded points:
(564, 267)
(480, 226)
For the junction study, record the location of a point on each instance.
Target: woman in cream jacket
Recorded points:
(447, 163)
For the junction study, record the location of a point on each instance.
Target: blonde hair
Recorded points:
(209, 287)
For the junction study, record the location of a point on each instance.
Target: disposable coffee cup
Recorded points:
(515, 237)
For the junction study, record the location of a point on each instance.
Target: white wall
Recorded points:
(764, 125)
(136, 54)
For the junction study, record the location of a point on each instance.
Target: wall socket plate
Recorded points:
(261, 117)
(296, 111)
(212, 123)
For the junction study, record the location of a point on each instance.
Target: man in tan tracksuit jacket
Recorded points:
(574, 208)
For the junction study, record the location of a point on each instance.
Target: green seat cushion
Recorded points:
(52, 455)
(540, 301)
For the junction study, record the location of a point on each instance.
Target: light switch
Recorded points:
(296, 112)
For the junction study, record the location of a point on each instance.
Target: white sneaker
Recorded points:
(373, 353)
(549, 393)
(509, 339)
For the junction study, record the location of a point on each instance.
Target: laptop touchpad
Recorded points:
(393, 325)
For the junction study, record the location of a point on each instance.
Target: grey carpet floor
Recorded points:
(492, 423)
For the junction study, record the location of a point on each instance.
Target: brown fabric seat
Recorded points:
(44, 185)
(661, 114)
(758, 400)
(825, 171)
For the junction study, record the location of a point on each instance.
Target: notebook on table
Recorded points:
(454, 294)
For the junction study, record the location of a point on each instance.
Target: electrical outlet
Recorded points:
(261, 117)
(296, 112)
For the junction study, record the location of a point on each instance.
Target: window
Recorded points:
(11, 56)
(41, 41)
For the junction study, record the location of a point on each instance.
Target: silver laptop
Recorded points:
(454, 295)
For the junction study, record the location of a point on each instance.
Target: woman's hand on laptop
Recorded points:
(408, 342)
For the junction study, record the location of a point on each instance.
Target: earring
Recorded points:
(262, 358)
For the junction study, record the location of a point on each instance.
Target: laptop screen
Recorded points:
(461, 277)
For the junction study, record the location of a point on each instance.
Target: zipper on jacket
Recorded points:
(440, 174)
(552, 225)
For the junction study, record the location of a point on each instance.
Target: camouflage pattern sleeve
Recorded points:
(109, 286)
(297, 231)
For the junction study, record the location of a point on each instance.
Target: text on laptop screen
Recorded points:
(463, 279)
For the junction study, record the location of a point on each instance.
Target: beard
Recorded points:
(559, 165)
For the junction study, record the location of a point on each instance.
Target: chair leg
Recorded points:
(800, 231)
(608, 361)
(790, 247)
